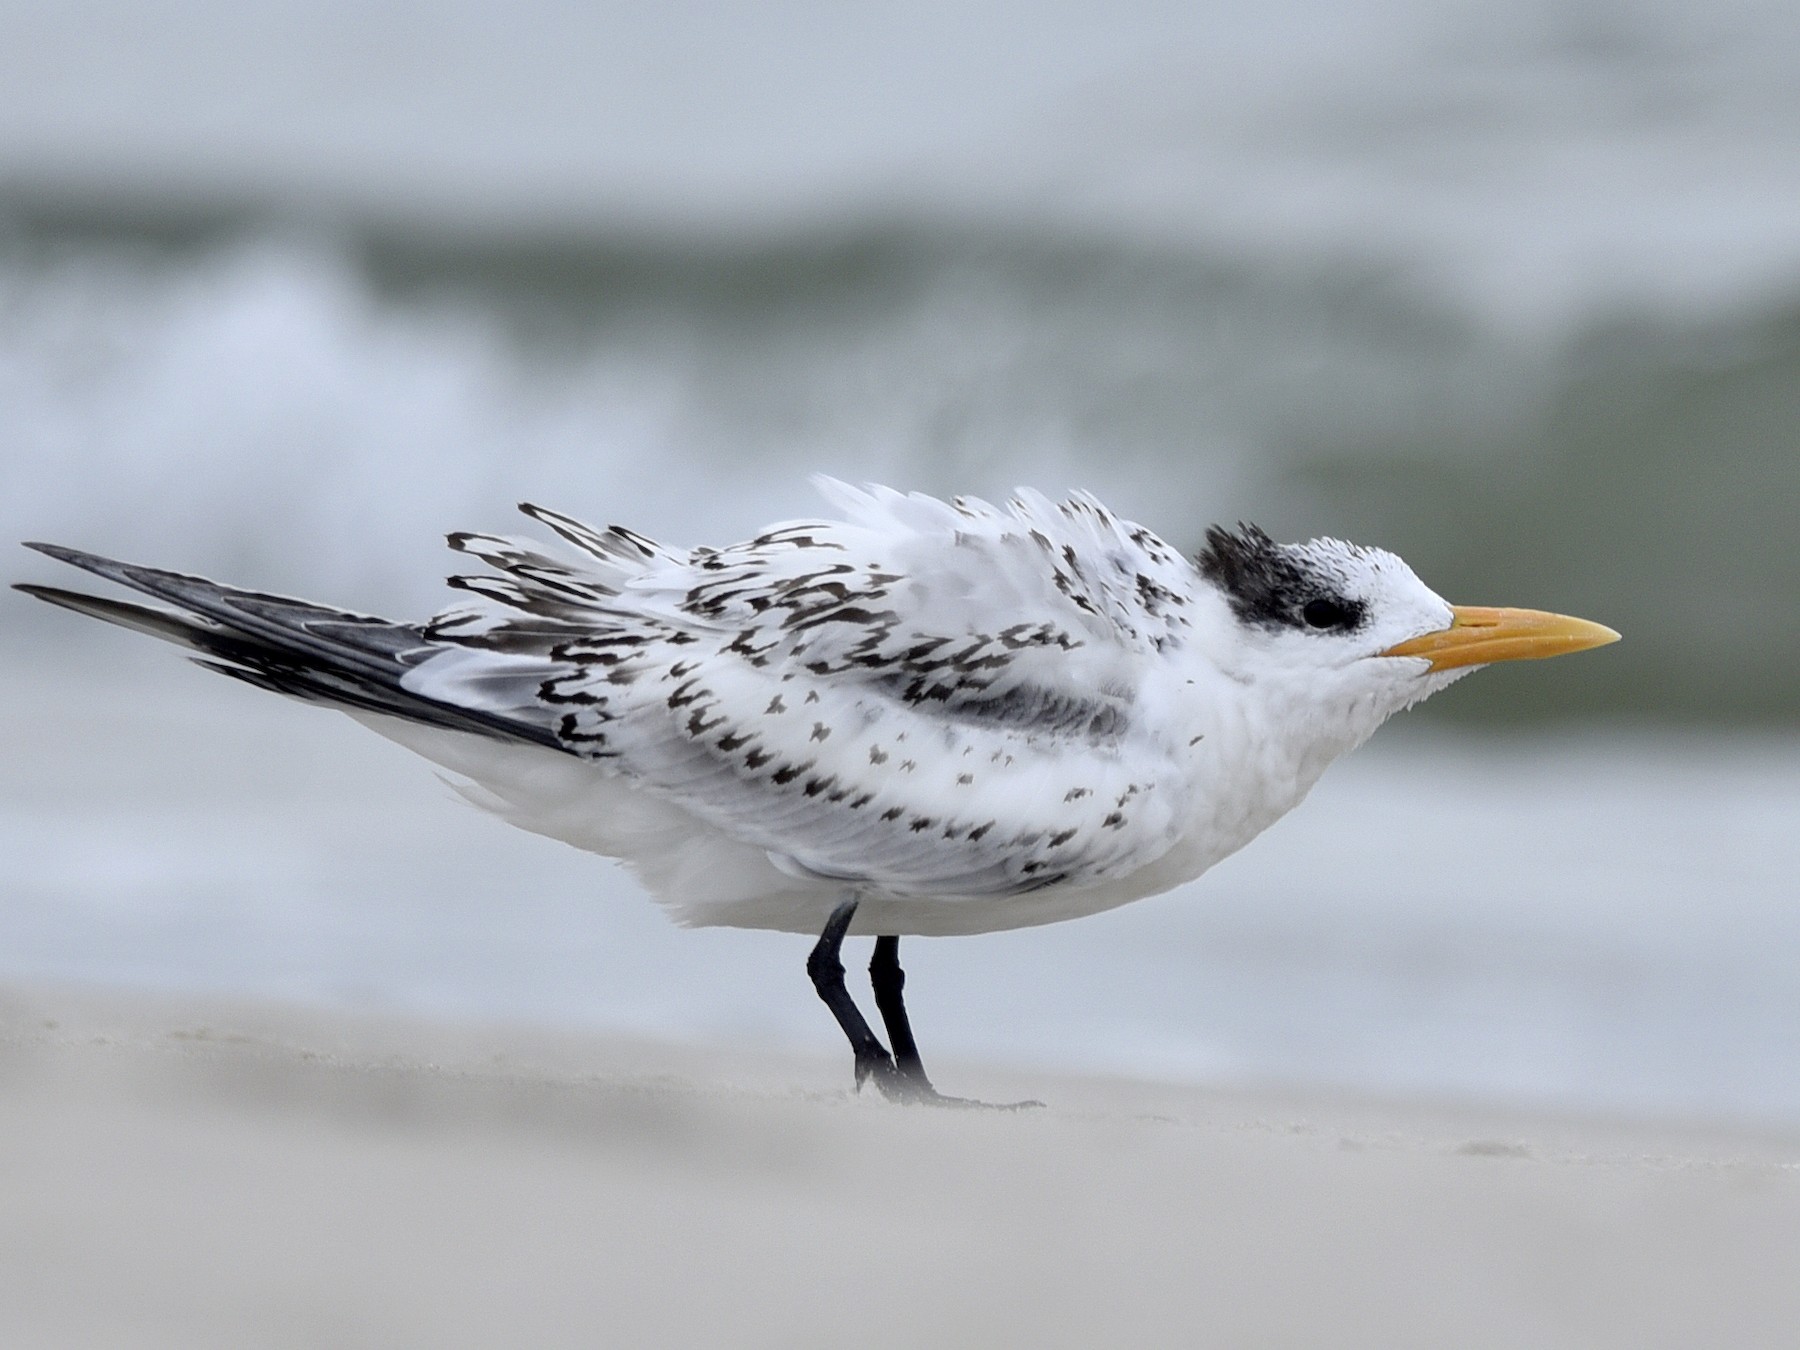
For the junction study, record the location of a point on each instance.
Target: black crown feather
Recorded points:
(1267, 584)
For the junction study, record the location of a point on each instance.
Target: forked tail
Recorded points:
(289, 646)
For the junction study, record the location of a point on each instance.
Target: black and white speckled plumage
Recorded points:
(928, 698)
(972, 717)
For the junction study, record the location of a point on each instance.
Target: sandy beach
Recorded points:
(179, 1173)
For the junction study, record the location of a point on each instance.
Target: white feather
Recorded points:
(972, 717)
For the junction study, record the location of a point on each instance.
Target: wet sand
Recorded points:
(178, 1173)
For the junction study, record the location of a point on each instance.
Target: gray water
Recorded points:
(286, 291)
(1596, 921)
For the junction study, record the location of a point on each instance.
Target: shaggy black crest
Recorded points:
(1270, 585)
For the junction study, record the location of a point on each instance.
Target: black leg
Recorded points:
(827, 971)
(900, 1076)
(889, 981)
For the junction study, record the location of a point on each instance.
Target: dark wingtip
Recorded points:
(157, 622)
(88, 562)
(55, 595)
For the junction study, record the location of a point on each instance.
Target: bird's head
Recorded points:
(1353, 633)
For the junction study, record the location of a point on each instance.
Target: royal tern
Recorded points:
(925, 717)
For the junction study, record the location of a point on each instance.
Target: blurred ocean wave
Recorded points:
(311, 410)
(287, 289)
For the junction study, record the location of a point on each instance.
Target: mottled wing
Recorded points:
(925, 699)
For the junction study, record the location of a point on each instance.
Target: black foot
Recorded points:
(899, 1086)
(900, 1077)
(908, 1082)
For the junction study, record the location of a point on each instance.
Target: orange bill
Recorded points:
(1478, 635)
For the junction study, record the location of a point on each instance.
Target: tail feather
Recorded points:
(358, 641)
(289, 646)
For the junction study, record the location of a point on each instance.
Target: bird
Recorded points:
(915, 717)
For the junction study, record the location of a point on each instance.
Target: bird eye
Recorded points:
(1328, 614)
